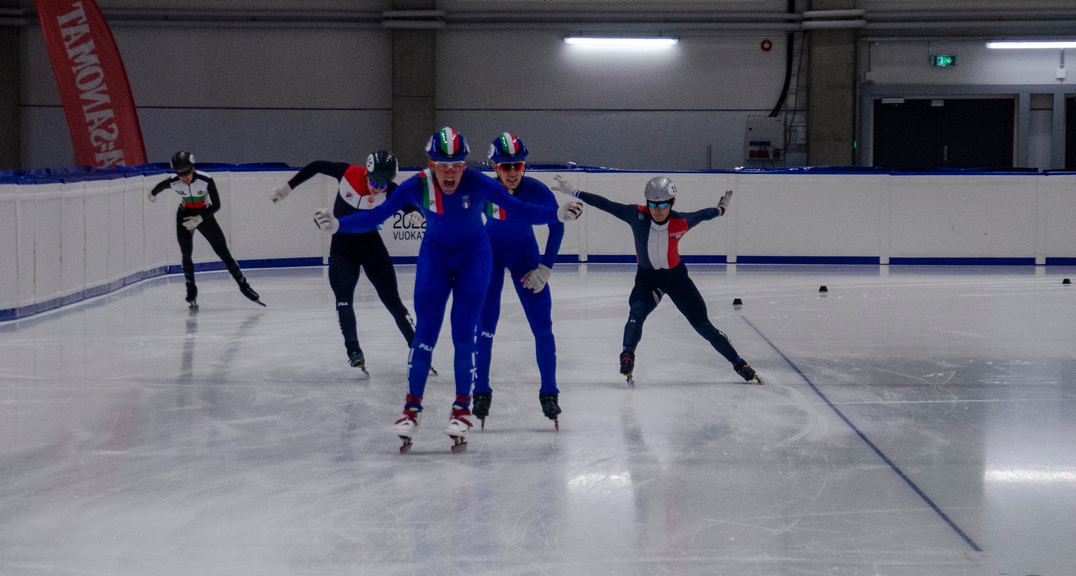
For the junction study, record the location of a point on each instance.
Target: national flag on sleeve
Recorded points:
(431, 194)
(495, 212)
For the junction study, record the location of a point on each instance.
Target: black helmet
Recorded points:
(182, 161)
(381, 168)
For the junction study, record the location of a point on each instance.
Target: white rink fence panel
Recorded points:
(65, 237)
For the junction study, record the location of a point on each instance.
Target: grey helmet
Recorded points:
(660, 189)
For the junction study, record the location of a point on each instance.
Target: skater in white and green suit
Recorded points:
(199, 201)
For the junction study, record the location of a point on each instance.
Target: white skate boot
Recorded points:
(405, 428)
(458, 426)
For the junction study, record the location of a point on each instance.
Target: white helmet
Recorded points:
(660, 189)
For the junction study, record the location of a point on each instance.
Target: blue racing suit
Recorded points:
(455, 257)
(515, 248)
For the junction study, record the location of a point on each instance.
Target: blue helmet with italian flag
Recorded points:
(507, 148)
(447, 145)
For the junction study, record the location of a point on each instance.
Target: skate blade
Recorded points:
(260, 303)
(631, 381)
(406, 445)
(556, 424)
(757, 380)
(460, 444)
(483, 423)
(432, 371)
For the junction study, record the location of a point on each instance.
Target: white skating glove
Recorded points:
(569, 211)
(536, 279)
(723, 203)
(151, 196)
(326, 221)
(415, 219)
(192, 222)
(280, 193)
(563, 186)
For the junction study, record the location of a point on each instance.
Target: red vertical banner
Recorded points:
(93, 85)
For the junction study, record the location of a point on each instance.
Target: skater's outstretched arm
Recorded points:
(705, 214)
(362, 221)
(408, 209)
(625, 212)
(162, 186)
(523, 211)
(331, 169)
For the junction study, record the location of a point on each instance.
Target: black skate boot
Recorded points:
(192, 295)
(746, 371)
(249, 292)
(482, 401)
(357, 359)
(627, 364)
(550, 408)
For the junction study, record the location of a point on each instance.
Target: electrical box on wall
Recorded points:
(764, 141)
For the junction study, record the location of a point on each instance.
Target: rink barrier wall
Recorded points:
(69, 235)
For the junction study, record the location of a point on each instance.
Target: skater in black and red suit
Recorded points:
(361, 188)
(658, 229)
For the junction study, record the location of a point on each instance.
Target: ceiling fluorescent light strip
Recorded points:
(1032, 44)
(623, 43)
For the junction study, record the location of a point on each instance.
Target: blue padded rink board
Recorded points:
(915, 421)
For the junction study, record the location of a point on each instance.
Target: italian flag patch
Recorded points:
(431, 195)
(495, 212)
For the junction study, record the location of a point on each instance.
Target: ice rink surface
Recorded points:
(915, 421)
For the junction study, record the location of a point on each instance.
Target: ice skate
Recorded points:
(405, 428)
(192, 296)
(746, 372)
(481, 406)
(458, 426)
(627, 365)
(250, 293)
(357, 360)
(550, 408)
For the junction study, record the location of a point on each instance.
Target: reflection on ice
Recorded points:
(1030, 476)
(139, 438)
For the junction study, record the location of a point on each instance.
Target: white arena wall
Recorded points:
(61, 242)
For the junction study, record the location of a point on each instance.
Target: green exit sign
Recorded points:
(943, 60)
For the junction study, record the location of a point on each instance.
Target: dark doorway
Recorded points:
(953, 133)
(1070, 133)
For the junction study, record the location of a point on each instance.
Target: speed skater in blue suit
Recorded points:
(515, 248)
(454, 258)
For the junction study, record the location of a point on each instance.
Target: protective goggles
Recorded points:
(659, 205)
(186, 172)
(449, 166)
(510, 166)
(379, 185)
